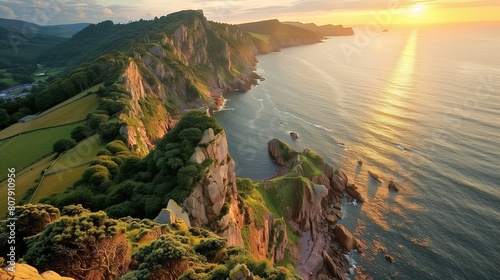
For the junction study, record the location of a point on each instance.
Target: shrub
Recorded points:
(63, 145)
(78, 133)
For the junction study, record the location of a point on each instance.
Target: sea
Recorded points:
(417, 105)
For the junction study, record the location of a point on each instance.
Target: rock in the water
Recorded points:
(374, 176)
(353, 192)
(240, 272)
(345, 238)
(337, 206)
(331, 219)
(294, 135)
(339, 214)
(389, 258)
(27, 272)
(280, 151)
(360, 162)
(393, 186)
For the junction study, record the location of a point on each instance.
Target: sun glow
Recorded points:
(418, 8)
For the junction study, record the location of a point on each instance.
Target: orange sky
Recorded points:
(417, 14)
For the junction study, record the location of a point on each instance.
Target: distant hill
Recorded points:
(281, 35)
(61, 30)
(325, 30)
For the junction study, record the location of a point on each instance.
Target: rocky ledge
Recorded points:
(318, 190)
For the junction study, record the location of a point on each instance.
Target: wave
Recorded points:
(303, 120)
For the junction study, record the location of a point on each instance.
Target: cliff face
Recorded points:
(214, 201)
(185, 69)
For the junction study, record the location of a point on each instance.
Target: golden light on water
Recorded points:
(387, 121)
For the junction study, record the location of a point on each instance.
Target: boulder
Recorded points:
(374, 176)
(331, 219)
(337, 206)
(330, 264)
(27, 272)
(240, 272)
(353, 192)
(389, 258)
(178, 212)
(339, 214)
(393, 186)
(339, 181)
(360, 162)
(294, 135)
(166, 216)
(345, 238)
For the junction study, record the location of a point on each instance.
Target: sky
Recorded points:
(347, 12)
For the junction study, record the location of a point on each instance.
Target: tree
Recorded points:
(89, 246)
(79, 133)
(63, 145)
(4, 118)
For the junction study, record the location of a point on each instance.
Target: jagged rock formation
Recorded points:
(216, 190)
(27, 272)
(317, 200)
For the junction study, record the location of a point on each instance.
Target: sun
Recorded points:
(418, 8)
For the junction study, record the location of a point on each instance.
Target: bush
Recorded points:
(63, 145)
(108, 131)
(117, 146)
(78, 133)
(192, 134)
(210, 247)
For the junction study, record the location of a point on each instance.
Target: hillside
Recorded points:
(281, 35)
(147, 148)
(324, 30)
(60, 30)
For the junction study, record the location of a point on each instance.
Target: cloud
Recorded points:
(107, 11)
(6, 12)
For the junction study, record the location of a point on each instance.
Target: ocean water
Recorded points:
(419, 106)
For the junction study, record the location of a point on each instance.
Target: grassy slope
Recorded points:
(262, 37)
(25, 180)
(22, 150)
(69, 111)
(59, 182)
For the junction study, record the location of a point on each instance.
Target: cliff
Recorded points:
(310, 193)
(324, 30)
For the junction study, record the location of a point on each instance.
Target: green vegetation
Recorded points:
(278, 31)
(62, 145)
(27, 148)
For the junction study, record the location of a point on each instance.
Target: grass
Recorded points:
(25, 180)
(71, 162)
(49, 72)
(59, 182)
(262, 37)
(84, 152)
(73, 112)
(23, 150)
(71, 100)
(307, 167)
(279, 196)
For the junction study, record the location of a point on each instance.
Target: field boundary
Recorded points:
(38, 129)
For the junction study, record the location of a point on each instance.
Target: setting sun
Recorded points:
(418, 8)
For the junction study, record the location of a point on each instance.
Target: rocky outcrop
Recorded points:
(240, 272)
(346, 239)
(353, 192)
(280, 152)
(339, 181)
(392, 186)
(280, 240)
(166, 216)
(374, 176)
(217, 189)
(27, 272)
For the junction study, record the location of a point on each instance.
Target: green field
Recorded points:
(25, 180)
(59, 182)
(84, 152)
(71, 100)
(49, 72)
(73, 112)
(25, 149)
(7, 78)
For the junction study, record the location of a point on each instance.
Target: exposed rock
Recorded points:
(374, 176)
(346, 239)
(166, 216)
(337, 206)
(331, 219)
(339, 214)
(393, 186)
(330, 264)
(240, 272)
(178, 212)
(280, 151)
(204, 204)
(27, 272)
(294, 135)
(389, 258)
(353, 192)
(360, 162)
(339, 181)
(280, 240)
